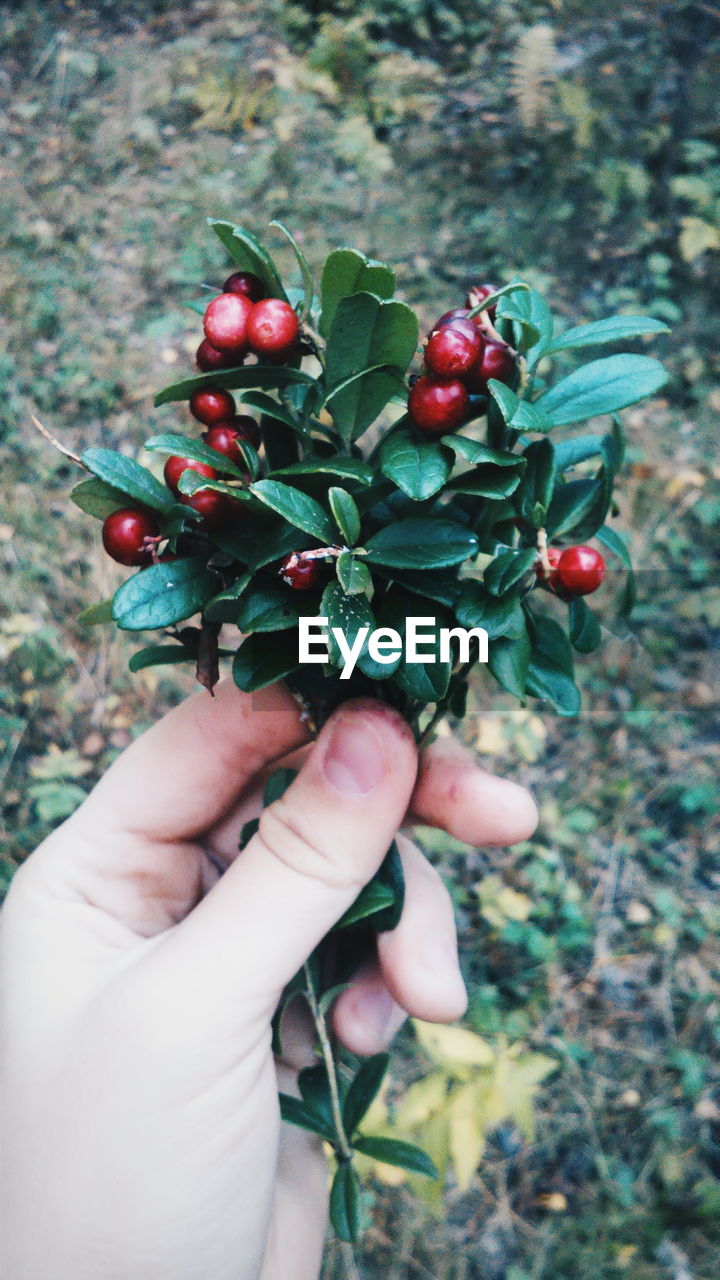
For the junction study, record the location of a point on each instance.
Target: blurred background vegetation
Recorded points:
(576, 144)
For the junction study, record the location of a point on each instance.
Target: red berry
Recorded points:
(211, 406)
(438, 405)
(174, 468)
(299, 573)
(551, 579)
(273, 328)
(208, 358)
(457, 313)
(216, 509)
(496, 361)
(225, 322)
(246, 283)
(224, 435)
(124, 533)
(453, 349)
(581, 570)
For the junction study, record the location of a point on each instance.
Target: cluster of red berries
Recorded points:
(241, 321)
(463, 352)
(576, 571)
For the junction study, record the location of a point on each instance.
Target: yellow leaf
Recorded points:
(422, 1100)
(696, 237)
(514, 905)
(467, 1135)
(453, 1047)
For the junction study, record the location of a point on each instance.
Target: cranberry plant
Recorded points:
(369, 480)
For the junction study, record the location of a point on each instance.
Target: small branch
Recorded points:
(344, 1148)
(542, 547)
(67, 453)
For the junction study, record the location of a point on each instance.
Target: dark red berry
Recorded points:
(453, 349)
(496, 361)
(478, 294)
(273, 328)
(208, 358)
(549, 579)
(216, 509)
(224, 436)
(124, 533)
(246, 283)
(457, 313)
(299, 573)
(438, 405)
(211, 406)
(580, 570)
(225, 322)
(174, 468)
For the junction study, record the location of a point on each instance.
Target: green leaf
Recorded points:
(421, 544)
(366, 332)
(272, 409)
(404, 1155)
(364, 1090)
(346, 514)
(277, 784)
(602, 386)
(536, 488)
(190, 482)
(266, 608)
(164, 594)
(524, 315)
(263, 659)
(128, 477)
(348, 271)
(244, 377)
(585, 633)
(425, 681)
(345, 468)
(487, 481)
(353, 576)
(419, 467)
(507, 568)
(373, 898)
(293, 1111)
(345, 1204)
(185, 447)
(508, 661)
(518, 414)
(476, 607)
(224, 606)
(297, 508)
(391, 876)
(96, 614)
(475, 451)
(617, 545)
(160, 655)
(306, 273)
(568, 453)
(349, 614)
(249, 254)
(98, 499)
(612, 329)
(550, 670)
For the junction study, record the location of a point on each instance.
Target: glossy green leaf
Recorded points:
(344, 468)
(611, 539)
(391, 876)
(277, 784)
(373, 898)
(404, 1155)
(550, 670)
(508, 661)
(96, 614)
(498, 615)
(164, 594)
(297, 508)
(186, 447)
(602, 386)
(349, 614)
(363, 1090)
(98, 499)
(507, 568)
(346, 514)
(366, 332)
(612, 329)
(475, 451)
(264, 608)
(569, 453)
(353, 576)
(128, 477)
(585, 635)
(160, 655)
(421, 544)
(224, 606)
(516, 308)
(519, 414)
(344, 1205)
(419, 467)
(293, 1111)
(249, 254)
(245, 377)
(487, 481)
(536, 488)
(306, 273)
(348, 271)
(266, 405)
(263, 659)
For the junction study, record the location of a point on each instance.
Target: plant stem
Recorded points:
(442, 707)
(344, 1148)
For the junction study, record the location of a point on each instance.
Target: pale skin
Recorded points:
(142, 961)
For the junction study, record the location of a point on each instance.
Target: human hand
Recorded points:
(141, 1127)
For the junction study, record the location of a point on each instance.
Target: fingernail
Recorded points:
(354, 761)
(378, 1012)
(439, 954)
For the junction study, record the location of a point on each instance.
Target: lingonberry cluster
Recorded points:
(463, 352)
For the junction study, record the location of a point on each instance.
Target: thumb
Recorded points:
(315, 849)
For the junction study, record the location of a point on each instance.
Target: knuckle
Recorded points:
(290, 834)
